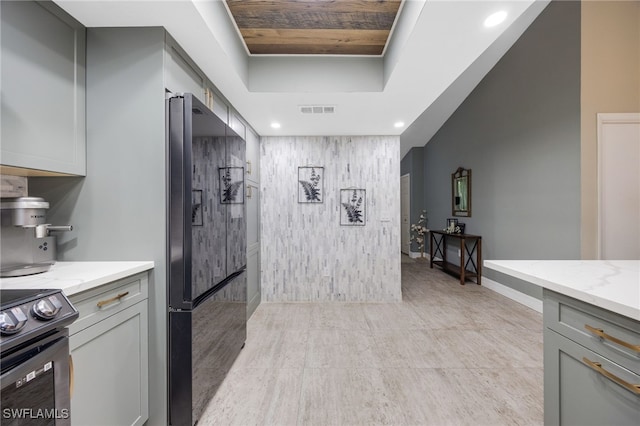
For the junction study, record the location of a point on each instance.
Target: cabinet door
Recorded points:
(253, 156)
(576, 394)
(43, 88)
(217, 104)
(110, 365)
(237, 125)
(182, 75)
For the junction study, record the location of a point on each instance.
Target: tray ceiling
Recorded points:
(314, 27)
(436, 53)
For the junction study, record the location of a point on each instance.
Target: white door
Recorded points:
(405, 212)
(619, 186)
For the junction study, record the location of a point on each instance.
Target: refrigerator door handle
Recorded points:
(179, 185)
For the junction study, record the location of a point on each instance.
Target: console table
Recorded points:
(469, 245)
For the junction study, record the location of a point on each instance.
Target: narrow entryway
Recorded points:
(405, 212)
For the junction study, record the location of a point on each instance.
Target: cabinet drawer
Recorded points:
(102, 302)
(577, 394)
(583, 323)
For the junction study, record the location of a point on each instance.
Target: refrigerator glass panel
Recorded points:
(219, 332)
(208, 231)
(235, 217)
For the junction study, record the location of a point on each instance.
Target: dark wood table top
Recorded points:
(456, 235)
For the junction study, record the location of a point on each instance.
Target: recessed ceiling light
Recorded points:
(275, 125)
(398, 124)
(495, 19)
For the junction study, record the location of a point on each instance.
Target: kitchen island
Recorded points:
(591, 312)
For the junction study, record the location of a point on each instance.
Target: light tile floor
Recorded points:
(447, 355)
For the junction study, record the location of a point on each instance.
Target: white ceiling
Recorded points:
(438, 52)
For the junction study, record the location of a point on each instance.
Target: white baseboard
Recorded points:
(416, 255)
(515, 295)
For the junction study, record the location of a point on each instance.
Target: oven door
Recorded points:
(35, 383)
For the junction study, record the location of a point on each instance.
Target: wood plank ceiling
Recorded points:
(314, 27)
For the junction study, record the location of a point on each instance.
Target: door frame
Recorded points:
(402, 248)
(602, 120)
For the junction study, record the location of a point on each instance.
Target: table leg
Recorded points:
(444, 252)
(479, 260)
(431, 243)
(462, 266)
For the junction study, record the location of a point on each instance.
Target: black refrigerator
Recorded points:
(206, 255)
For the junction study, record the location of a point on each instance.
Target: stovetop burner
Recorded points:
(27, 314)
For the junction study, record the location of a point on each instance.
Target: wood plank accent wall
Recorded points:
(359, 27)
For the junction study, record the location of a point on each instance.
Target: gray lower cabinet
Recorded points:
(109, 353)
(591, 365)
(43, 88)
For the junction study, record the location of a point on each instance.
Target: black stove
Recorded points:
(9, 296)
(27, 315)
(35, 367)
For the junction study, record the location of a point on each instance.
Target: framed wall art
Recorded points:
(354, 207)
(231, 185)
(310, 184)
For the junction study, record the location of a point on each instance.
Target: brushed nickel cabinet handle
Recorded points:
(598, 368)
(248, 167)
(600, 333)
(71, 376)
(113, 299)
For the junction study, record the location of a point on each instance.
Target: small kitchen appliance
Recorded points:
(26, 244)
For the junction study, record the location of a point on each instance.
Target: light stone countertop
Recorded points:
(75, 277)
(609, 284)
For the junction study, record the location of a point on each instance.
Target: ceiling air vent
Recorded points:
(317, 109)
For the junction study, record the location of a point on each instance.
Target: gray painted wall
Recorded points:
(118, 210)
(519, 132)
(306, 254)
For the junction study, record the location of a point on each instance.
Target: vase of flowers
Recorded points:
(419, 231)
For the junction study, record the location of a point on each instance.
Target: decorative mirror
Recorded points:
(461, 192)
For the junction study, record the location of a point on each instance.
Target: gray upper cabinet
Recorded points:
(181, 74)
(253, 156)
(216, 104)
(238, 126)
(43, 88)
